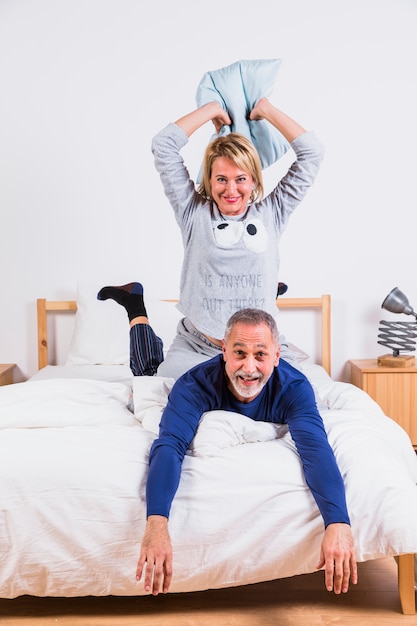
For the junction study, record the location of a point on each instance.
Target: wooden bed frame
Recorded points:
(43, 308)
(323, 305)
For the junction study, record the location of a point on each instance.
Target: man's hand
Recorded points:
(156, 552)
(337, 555)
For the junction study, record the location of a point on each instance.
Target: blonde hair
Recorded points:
(242, 152)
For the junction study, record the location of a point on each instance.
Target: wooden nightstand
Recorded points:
(393, 388)
(6, 373)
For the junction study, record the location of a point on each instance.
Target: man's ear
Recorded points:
(278, 352)
(223, 348)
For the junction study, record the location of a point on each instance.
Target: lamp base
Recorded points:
(389, 360)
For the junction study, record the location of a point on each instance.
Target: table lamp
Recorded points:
(398, 336)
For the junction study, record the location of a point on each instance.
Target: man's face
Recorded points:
(250, 355)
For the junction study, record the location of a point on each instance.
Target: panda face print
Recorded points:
(227, 234)
(251, 232)
(255, 236)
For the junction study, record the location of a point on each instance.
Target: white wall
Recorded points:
(85, 84)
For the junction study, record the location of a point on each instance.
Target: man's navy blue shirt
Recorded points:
(287, 398)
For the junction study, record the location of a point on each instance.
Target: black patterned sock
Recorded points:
(282, 288)
(129, 296)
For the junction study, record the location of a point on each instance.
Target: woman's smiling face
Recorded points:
(231, 187)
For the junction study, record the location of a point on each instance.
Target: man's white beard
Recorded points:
(243, 391)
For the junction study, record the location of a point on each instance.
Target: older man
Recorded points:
(247, 378)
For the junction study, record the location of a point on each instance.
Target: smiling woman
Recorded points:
(227, 223)
(232, 174)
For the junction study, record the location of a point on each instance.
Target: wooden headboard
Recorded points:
(322, 304)
(44, 307)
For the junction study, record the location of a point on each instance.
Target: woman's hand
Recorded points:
(221, 119)
(264, 110)
(259, 110)
(212, 111)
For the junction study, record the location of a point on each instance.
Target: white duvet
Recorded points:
(73, 468)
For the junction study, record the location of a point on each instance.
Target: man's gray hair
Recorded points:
(252, 317)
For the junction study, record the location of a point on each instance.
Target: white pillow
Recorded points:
(57, 403)
(101, 330)
(218, 430)
(291, 352)
(150, 395)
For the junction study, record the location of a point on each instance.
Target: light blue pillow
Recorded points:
(237, 87)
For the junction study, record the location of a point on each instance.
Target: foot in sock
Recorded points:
(282, 288)
(129, 296)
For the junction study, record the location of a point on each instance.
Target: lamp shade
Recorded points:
(397, 302)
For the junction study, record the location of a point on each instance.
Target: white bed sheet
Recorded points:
(73, 493)
(110, 373)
